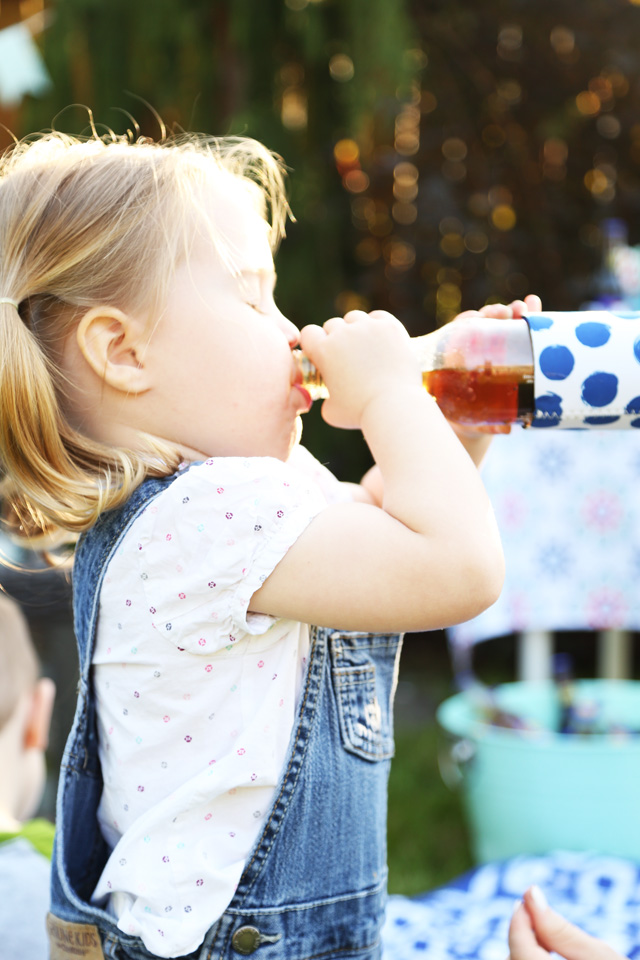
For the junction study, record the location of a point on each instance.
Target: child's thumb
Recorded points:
(553, 932)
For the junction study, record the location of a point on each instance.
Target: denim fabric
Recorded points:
(314, 885)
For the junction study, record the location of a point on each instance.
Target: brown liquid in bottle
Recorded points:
(488, 395)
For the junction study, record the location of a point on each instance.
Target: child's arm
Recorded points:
(431, 556)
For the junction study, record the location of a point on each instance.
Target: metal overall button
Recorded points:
(247, 939)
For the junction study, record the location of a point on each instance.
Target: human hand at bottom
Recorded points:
(536, 931)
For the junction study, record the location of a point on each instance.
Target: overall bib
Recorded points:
(314, 885)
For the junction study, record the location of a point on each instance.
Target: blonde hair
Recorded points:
(19, 666)
(85, 223)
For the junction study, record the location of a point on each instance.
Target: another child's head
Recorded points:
(25, 714)
(90, 232)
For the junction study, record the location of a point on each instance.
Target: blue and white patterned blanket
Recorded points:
(469, 918)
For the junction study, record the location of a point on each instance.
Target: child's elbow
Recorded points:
(483, 579)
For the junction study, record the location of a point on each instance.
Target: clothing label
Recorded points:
(80, 941)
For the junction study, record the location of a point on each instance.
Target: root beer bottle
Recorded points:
(575, 370)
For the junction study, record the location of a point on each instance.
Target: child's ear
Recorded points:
(36, 735)
(110, 342)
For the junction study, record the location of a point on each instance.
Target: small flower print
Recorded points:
(280, 513)
(144, 576)
(209, 667)
(185, 499)
(232, 639)
(168, 536)
(152, 609)
(231, 833)
(168, 909)
(188, 739)
(182, 596)
(123, 862)
(275, 676)
(140, 788)
(208, 816)
(187, 909)
(260, 664)
(229, 515)
(603, 511)
(157, 673)
(254, 776)
(241, 751)
(164, 764)
(220, 489)
(202, 642)
(200, 527)
(125, 712)
(199, 883)
(168, 626)
(139, 546)
(136, 694)
(211, 584)
(165, 859)
(166, 718)
(258, 527)
(128, 602)
(257, 813)
(147, 839)
(138, 740)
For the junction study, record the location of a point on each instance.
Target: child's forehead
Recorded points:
(235, 225)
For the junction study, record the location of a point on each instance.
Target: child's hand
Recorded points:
(360, 356)
(537, 931)
(502, 311)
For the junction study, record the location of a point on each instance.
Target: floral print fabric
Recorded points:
(569, 516)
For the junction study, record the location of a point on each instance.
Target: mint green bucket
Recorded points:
(531, 792)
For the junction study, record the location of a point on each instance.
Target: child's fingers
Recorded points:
(556, 933)
(522, 939)
(534, 303)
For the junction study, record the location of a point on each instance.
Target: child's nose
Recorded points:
(289, 329)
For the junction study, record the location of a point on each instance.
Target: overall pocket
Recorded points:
(364, 671)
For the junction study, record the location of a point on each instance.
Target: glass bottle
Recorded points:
(479, 370)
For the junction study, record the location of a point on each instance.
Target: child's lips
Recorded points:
(308, 402)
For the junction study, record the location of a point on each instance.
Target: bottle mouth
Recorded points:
(309, 376)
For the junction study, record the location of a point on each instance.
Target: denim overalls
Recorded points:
(314, 885)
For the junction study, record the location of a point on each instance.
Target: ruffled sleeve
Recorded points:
(212, 538)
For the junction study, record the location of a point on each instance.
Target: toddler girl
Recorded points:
(223, 790)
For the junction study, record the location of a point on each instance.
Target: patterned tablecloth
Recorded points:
(568, 509)
(469, 918)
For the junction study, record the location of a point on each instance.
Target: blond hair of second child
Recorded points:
(237, 608)
(26, 702)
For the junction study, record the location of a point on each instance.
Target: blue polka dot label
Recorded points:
(587, 369)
